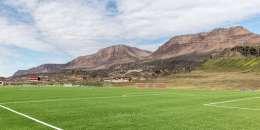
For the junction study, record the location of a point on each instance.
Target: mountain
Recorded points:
(181, 51)
(216, 40)
(106, 57)
(2, 78)
(46, 68)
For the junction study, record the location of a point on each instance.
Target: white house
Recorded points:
(118, 80)
(2, 83)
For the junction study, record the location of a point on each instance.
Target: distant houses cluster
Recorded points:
(2, 83)
(29, 79)
(43, 79)
(118, 80)
(36, 78)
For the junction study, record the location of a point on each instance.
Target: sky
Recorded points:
(33, 32)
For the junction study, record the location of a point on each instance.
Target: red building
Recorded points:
(34, 78)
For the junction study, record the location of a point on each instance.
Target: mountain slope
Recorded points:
(104, 58)
(200, 45)
(216, 40)
(109, 56)
(46, 68)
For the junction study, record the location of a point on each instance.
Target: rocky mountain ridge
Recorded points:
(216, 40)
(104, 58)
(191, 45)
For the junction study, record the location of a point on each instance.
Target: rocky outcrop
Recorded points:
(106, 57)
(216, 40)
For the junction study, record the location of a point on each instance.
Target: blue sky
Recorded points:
(34, 32)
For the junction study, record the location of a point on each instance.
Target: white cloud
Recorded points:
(74, 26)
(20, 35)
(79, 27)
(146, 18)
(5, 55)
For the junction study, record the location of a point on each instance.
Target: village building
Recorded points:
(118, 80)
(2, 83)
(34, 78)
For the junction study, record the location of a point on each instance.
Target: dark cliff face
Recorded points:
(216, 40)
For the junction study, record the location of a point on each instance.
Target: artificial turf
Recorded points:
(107, 108)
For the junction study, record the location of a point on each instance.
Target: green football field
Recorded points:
(48, 108)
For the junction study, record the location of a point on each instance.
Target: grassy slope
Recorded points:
(173, 109)
(232, 64)
(202, 79)
(227, 73)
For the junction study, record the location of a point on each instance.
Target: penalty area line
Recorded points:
(217, 104)
(230, 107)
(31, 118)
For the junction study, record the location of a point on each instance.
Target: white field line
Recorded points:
(217, 104)
(31, 118)
(230, 107)
(75, 99)
(64, 99)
